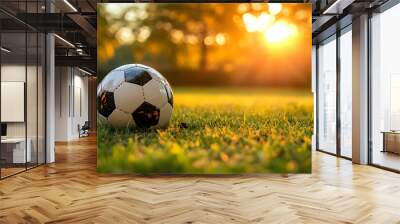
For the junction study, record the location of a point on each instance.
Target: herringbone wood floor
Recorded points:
(70, 191)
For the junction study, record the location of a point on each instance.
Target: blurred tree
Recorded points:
(205, 44)
(190, 24)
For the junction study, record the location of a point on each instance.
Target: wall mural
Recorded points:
(204, 88)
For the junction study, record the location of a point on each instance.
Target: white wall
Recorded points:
(81, 85)
(70, 83)
(62, 81)
(9, 73)
(12, 73)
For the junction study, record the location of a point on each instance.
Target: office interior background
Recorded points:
(48, 101)
(356, 82)
(48, 79)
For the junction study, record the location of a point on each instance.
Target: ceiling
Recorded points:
(75, 23)
(332, 15)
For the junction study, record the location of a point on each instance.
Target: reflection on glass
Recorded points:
(13, 79)
(31, 97)
(22, 81)
(385, 89)
(41, 99)
(327, 96)
(346, 94)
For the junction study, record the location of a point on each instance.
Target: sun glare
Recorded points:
(220, 39)
(257, 23)
(125, 36)
(279, 32)
(274, 8)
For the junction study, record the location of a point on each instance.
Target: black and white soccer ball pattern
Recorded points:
(134, 95)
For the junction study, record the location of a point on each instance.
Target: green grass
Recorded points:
(229, 131)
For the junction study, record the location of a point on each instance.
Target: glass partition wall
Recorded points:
(13, 85)
(334, 90)
(345, 61)
(22, 77)
(327, 95)
(385, 89)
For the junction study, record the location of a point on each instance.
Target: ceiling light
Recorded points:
(5, 50)
(70, 5)
(65, 41)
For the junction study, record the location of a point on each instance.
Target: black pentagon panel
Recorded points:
(146, 115)
(169, 95)
(105, 103)
(137, 75)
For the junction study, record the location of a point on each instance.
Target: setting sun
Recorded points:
(280, 31)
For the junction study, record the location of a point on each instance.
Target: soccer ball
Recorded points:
(134, 95)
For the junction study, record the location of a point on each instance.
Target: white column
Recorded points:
(50, 99)
(360, 90)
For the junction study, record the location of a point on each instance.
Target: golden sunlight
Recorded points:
(274, 8)
(280, 31)
(220, 39)
(125, 35)
(257, 23)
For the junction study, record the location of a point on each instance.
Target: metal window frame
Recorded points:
(339, 32)
(338, 95)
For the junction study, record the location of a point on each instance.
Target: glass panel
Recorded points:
(13, 80)
(41, 99)
(346, 94)
(327, 96)
(385, 114)
(32, 88)
(22, 81)
(31, 98)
